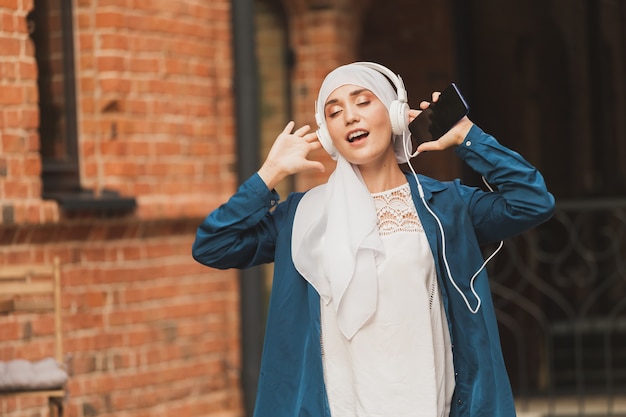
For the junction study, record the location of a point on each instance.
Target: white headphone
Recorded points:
(398, 109)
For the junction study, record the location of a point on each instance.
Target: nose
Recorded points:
(350, 115)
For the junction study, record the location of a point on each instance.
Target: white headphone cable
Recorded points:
(443, 237)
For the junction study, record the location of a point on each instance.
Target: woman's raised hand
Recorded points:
(453, 137)
(288, 155)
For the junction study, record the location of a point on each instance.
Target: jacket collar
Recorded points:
(429, 185)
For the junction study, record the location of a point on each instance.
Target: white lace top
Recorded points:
(400, 362)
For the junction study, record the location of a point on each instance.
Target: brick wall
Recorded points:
(153, 81)
(20, 165)
(155, 102)
(148, 331)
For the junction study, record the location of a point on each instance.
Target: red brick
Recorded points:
(126, 169)
(110, 20)
(9, 4)
(30, 118)
(14, 167)
(115, 85)
(110, 63)
(14, 189)
(9, 330)
(32, 166)
(11, 94)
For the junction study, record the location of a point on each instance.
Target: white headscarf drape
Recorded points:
(335, 241)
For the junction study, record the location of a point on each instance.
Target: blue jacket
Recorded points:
(252, 228)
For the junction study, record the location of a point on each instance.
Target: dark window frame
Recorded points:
(61, 174)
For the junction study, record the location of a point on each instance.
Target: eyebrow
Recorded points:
(352, 94)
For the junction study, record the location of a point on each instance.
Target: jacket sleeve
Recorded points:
(240, 233)
(520, 200)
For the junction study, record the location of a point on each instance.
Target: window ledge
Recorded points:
(86, 200)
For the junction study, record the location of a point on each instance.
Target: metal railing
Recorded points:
(560, 296)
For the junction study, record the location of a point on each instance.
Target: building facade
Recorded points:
(115, 140)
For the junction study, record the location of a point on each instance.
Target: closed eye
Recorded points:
(334, 113)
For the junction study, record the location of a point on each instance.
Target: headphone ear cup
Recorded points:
(324, 137)
(399, 115)
(327, 143)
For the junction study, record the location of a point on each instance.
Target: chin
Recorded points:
(360, 159)
(369, 156)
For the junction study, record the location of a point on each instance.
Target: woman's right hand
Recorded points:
(288, 155)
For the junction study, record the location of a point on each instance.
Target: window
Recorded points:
(51, 30)
(50, 25)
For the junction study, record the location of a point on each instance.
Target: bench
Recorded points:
(29, 289)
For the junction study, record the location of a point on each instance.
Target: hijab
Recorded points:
(335, 243)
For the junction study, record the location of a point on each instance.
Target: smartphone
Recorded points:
(433, 122)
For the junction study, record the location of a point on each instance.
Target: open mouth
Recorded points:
(358, 135)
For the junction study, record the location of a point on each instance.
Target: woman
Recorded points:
(380, 303)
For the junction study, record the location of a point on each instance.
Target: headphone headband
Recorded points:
(395, 79)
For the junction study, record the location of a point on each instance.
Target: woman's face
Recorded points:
(359, 125)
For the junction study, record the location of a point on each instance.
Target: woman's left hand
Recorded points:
(453, 137)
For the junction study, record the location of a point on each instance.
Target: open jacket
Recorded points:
(252, 228)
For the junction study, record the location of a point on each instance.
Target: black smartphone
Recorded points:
(439, 117)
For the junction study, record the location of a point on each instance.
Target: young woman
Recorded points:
(380, 303)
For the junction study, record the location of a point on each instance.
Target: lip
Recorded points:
(364, 135)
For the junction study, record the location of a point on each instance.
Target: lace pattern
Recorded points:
(396, 211)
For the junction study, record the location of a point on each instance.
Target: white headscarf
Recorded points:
(335, 242)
